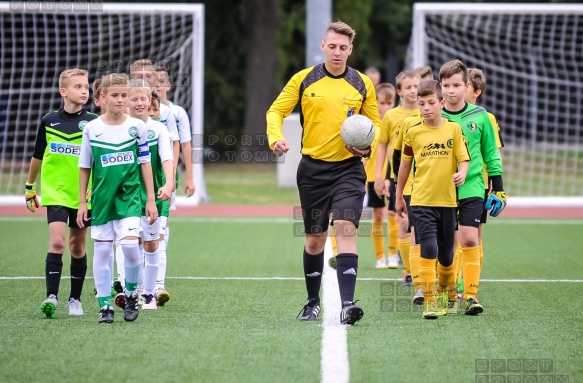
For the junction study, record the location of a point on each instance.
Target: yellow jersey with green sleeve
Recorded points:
(390, 128)
(58, 145)
(499, 143)
(407, 123)
(437, 152)
(325, 102)
(114, 154)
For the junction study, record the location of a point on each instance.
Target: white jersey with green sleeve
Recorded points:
(114, 154)
(168, 119)
(182, 122)
(160, 151)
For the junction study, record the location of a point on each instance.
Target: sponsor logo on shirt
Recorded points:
(66, 149)
(121, 158)
(435, 150)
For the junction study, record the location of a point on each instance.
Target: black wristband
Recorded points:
(367, 155)
(28, 187)
(497, 184)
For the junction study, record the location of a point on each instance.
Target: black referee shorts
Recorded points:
(327, 189)
(470, 211)
(374, 200)
(64, 214)
(439, 222)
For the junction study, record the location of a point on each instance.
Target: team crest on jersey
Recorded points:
(450, 143)
(133, 131)
(472, 126)
(82, 124)
(151, 134)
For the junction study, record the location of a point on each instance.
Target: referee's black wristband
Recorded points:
(367, 155)
(497, 184)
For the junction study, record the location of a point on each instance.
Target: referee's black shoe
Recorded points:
(351, 313)
(310, 311)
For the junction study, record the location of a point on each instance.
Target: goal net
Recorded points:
(39, 40)
(532, 58)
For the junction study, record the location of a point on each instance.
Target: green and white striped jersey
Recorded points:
(114, 154)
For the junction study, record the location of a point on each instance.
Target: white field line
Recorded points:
(191, 278)
(334, 365)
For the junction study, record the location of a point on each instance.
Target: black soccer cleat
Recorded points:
(117, 286)
(131, 308)
(106, 314)
(310, 311)
(351, 313)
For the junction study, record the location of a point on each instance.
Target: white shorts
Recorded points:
(173, 201)
(150, 232)
(163, 224)
(126, 227)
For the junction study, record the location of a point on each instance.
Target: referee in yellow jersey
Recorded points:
(330, 176)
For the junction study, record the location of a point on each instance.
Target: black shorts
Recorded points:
(330, 190)
(64, 214)
(485, 212)
(374, 200)
(410, 216)
(391, 204)
(470, 211)
(439, 222)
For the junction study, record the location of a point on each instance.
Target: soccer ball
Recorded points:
(358, 131)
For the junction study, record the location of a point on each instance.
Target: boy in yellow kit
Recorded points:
(439, 148)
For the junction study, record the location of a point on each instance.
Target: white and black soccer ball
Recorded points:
(358, 131)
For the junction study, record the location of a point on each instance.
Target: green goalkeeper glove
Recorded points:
(30, 195)
(496, 203)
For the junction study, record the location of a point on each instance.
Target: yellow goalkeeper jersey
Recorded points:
(325, 102)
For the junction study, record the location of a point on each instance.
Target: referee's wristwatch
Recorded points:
(367, 155)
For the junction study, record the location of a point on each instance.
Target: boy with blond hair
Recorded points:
(441, 164)
(386, 98)
(481, 140)
(161, 157)
(55, 155)
(407, 83)
(114, 150)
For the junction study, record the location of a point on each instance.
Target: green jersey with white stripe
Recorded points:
(114, 154)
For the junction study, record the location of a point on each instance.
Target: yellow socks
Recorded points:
(427, 278)
(457, 260)
(404, 247)
(414, 259)
(446, 280)
(393, 234)
(378, 239)
(481, 254)
(471, 269)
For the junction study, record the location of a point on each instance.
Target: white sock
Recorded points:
(161, 263)
(142, 263)
(131, 252)
(119, 259)
(101, 270)
(111, 258)
(150, 272)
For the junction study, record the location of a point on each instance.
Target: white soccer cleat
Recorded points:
(381, 263)
(393, 262)
(75, 307)
(149, 302)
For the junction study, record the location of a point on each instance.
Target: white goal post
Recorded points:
(39, 40)
(532, 57)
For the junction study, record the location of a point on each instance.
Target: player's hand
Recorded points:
(387, 188)
(496, 203)
(165, 192)
(82, 215)
(459, 178)
(358, 152)
(30, 195)
(189, 188)
(379, 187)
(151, 211)
(280, 148)
(401, 207)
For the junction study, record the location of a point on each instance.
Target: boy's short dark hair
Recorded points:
(405, 74)
(155, 97)
(478, 80)
(96, 87)
(424, 71)
(386, 90)
(452, 68)
(427, 88)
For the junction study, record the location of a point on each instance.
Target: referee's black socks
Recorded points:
(346, 270)
(313, 268)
